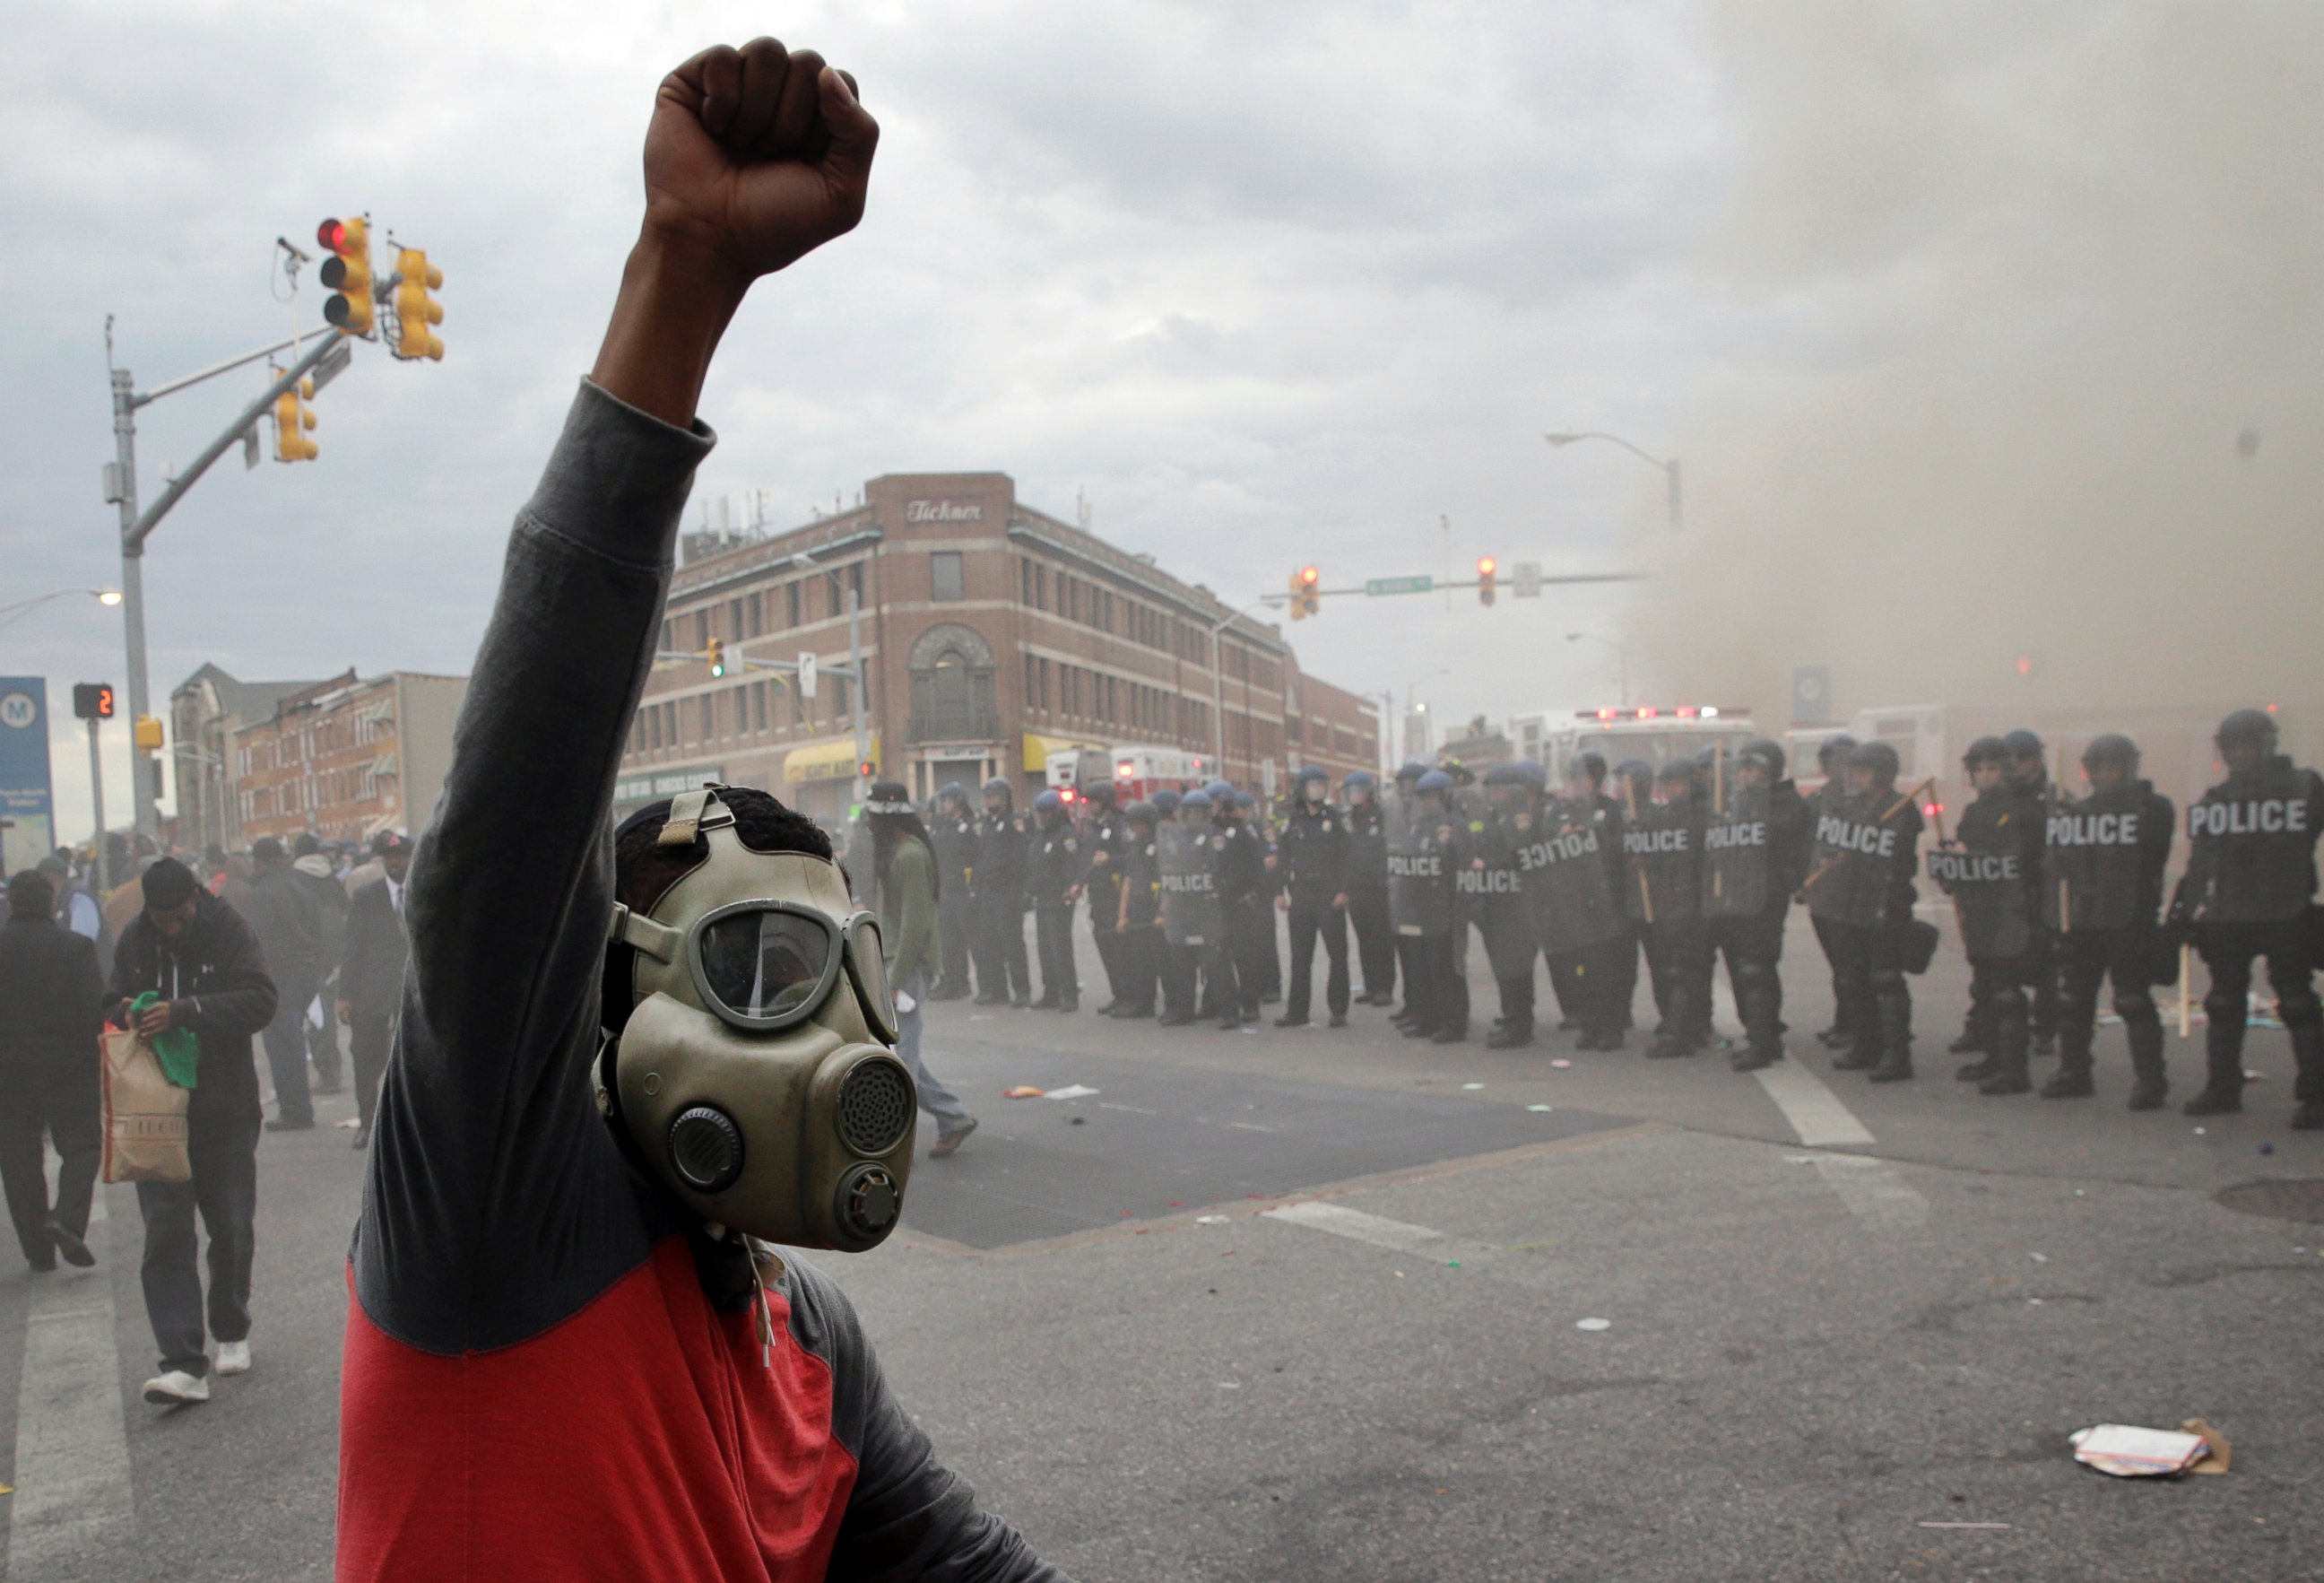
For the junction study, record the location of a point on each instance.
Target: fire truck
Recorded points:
(1656, 733)
(1136, 770)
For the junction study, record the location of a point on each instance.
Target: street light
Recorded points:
(1670, 468)
(1621, 655)
(11, 614)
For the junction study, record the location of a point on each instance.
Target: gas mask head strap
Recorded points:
(692, 815)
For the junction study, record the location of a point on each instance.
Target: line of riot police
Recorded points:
(1686, 865)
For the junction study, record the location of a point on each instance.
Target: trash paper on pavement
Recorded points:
(1071, 1091)
(2128, 1452)
(1022, 1091)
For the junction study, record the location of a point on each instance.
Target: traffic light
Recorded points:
(92, 700)
(865, 768)
(415, 310)
(347, 273)
(1488, 571)
(717, 656)
(293, 421)
(1305, 601)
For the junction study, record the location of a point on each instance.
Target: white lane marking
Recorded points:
(1873, 1190)
(1815, 1111)
(73, 1487)
(1512, 1265)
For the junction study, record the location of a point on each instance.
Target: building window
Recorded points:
(945, 582)
(759, 705)
(951, 673)
(757, 614)
(791, 597)
(702, 628)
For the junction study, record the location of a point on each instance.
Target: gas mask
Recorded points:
(755, 1077)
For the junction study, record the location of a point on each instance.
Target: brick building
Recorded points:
(348, 757)
(993, 633)
(206, 709)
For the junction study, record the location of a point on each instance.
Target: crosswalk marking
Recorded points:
(1815, 1111)
(73, 1487)
(1511, 1264)
(1874, 1192)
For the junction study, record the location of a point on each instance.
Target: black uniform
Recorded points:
(1365, 880)
(2101, 888)
(1860, 893)
(2042, 966)
(1831, 798)
(1755, 854)
(1422, 854)
(1105, 836)
(2250, 875)
(998, 882)
(1053, 868)
(1664, 846)
(1137, 920)
(951, 835)
(1234, 978)
(1312, 856)
(1491, 894)
(1984, 871)
(55, 998)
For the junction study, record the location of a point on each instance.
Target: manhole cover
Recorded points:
(2280, 1198)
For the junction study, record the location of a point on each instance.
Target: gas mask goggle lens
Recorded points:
(750, 1079)
(763, 966)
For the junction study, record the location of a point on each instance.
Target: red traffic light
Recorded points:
(333, 234)
(1487, 566)
(1308, 576)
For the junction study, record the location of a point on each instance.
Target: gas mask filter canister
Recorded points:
(755, 1076)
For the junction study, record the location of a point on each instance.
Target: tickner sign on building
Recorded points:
(942, 511)
(652, 785)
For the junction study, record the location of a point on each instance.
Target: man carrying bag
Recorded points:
(200, 961)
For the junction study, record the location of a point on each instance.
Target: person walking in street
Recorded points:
(201, 962)
(54, 999)
(905, 884)
(325, 891)
(371, 976)
(283, 915)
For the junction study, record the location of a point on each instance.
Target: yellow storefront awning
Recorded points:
(1038, 748)
(831, 760)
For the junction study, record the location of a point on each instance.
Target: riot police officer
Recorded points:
(2247, 892)
(1664, 847)
(1493, 888)
(1868, 851)
(2029, 777)
(1982, 868)
(1187, 849)
(1253, 928)
(952, 833)
(2100, 890)
(1052, 870)
(1573, 895)
(1104, 835)
(1408, 946)
(1312, 855)
(1138, 915)
(1420, 867)
(1754, 854)
(997, 881)
(1364, 878)
(1831, 763)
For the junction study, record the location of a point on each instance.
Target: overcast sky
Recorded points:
(1272, 284)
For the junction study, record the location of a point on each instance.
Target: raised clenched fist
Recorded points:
(755, 157)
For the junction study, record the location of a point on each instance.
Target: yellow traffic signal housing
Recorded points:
(1487, 578)
(293, 421)
(415, 310)
(147, 733)
(717, 656)
(347, 273)
(1306, 598)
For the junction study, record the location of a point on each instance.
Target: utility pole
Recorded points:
(96, 802)
(121, 488)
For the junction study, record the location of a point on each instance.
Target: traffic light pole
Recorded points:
(135, 526)
(96, 802)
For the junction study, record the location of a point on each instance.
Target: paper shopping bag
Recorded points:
(145, 1114)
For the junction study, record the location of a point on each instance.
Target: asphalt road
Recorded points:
(1305, 1305)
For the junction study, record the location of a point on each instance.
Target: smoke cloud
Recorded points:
(2052, 275)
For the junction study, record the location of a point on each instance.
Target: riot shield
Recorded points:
(1856, 857)
(1187, 863)
(1496, 896)
(1663, 846)
(1561, 857)
(1419, 890)
(2092, 856)
(1988, 891)
(2254, 835)
(1739, 858)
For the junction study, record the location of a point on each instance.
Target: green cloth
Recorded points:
(180, 1051)
(907, 911)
